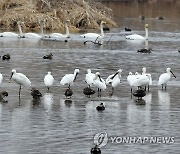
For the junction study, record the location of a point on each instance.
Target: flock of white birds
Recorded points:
(94, 79)
(136, 80)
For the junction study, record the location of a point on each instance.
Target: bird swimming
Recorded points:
(139, 37)
(2, 95)
(96, 150)
(6, 57)
(100, 107)
(49, 56)
(68, 93)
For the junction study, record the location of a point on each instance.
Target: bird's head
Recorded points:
(146, 26)
(13, 71)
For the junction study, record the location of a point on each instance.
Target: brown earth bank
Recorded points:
(82, 14)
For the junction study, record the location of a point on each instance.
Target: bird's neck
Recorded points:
(20, 30)
(102, 32)
(146, 33)
(67, 30)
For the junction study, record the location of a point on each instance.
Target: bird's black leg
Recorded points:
(19, 91)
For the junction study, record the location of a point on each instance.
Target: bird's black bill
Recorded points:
(99, 78)
(173, 74)
(11, 77)
(75, 77)
(114, 75)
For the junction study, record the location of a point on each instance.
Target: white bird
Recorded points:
(1, 78)
(141, 80)
(48, 80)
(95, 36)
(99, 83)
(150, 80)
(69, 78)
(9, 34)
(20, 79)
(26, 35)
(59, 35)
(139, 37)
(89, 78)
(114, 80)
(165, 77)
(130, 79)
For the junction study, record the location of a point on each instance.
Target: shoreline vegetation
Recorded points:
(82, 14)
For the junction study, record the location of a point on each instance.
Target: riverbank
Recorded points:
(82, 14)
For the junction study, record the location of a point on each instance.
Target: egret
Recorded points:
(20, 79)
(89, 78)
(99, 83)
(48, 80)
(95, 35)
(114, 80)
(69, 78)
(165, 77)
(139, 37)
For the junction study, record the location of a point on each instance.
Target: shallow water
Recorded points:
(59, 125)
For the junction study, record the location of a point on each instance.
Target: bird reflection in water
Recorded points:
(68, 102)
(48, 101)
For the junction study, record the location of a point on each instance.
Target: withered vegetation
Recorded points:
(82, 14)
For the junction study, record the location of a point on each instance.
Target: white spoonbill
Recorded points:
(150, 80)
(139, 37)
(1, 78)
(99, 83)
(165, 77)
(130, 79)
(48, 80)
(20, 79)
(69, 78)
(114, 80)
(95, 35)
(141, 80)
(89, 78)
(59, 35)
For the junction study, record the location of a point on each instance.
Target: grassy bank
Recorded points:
(82, 14)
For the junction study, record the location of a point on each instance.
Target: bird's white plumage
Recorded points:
(144, 73)
(141, 80)
(48, 80)
(95, 35)
(114, 79)
(139, 37)
(59, 35)
(1, 78)
(69, 78)
(130, 78)
(99, 82)
(89, 77)
(20, 78)
(165, 77)
(9, 34)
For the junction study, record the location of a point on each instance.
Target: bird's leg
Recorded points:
(165, 86)
(148, 87)
(145, 88)
(162, 86)
(19, 91)
(69, 86)
(47, 88)
(100, 92)
(112, 91)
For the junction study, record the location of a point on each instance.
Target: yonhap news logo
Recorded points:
(102, 139)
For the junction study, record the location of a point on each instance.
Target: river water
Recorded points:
(67, 126)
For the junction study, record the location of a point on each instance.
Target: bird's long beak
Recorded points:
(75, 76)
(114, 75)
(10, 77)
(99, 78)
(173, 74)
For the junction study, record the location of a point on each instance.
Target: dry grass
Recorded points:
(82, 14)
